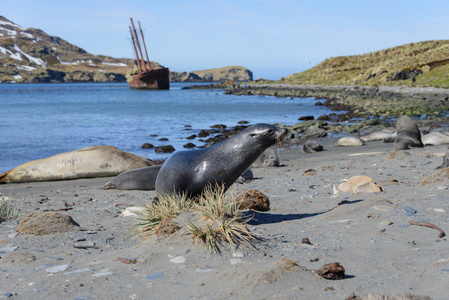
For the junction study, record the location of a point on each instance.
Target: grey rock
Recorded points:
(155, 276)
(57, 269)
(409, 211)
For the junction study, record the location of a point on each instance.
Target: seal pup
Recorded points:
(268, 158)
(137, 179)
(312, 146)
(350, 141)
(408, 134)
(191, 171)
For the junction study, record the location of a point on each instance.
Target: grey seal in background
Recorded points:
(435, 138)
(408, 134)
(191, 171)
(137, 179)
(377, 135)
(311, 147)
(268, 158)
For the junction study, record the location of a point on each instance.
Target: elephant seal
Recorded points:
(268, 158)
(377, 135)
(89, 162)
(408, 134)
(137, 179)
(435, 138)
(350, 141)
(311, 147)
(191, 171)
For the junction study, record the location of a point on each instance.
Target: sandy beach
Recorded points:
(368, 234)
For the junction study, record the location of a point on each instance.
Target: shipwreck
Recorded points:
(145, 77)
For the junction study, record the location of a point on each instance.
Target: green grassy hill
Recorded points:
(427, 62)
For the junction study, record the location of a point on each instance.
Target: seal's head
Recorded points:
(260, 136)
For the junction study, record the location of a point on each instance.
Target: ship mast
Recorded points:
(144, 46)
(135, 50)
(138, 44)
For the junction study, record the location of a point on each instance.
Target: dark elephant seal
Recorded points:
(137, 179)
(311, 147)
(408, 134)
(191, 171)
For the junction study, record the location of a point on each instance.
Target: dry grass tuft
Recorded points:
(216, 219)
(7, 211)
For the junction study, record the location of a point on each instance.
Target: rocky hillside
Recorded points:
(30, 55)
(232, 73)
(419, 64)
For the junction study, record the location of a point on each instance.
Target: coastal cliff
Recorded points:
(232, 73)
(29, 55)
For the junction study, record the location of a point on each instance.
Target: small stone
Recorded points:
(8, 249)
(155, 276)
(12, 235)
(78, 271)
(409, 210)
(84, 245)
(236, 261)
(385, 223)
(178, 259)
(101, 274)
(57, 269)
(238, 254)
(439, 210)
(442, 187)
(204, 270)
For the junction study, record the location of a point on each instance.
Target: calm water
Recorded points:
(40, 120)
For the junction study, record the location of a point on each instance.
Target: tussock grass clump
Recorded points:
(168, 207)
(7, 211)
(219, 219)
(215, 218)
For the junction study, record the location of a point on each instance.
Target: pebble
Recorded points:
(382, 208)
(155, 276)
(178, 259)
(236, 261)
(409, 211)
(442, 187)
(83, 245)
(199, 270)
(12, 235)
(100, 274)
(78, 271)
(8, 249)
(57, 269)
(439, 210)
(238, 254)
(385, 223)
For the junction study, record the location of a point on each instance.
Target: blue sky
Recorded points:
(271, 38)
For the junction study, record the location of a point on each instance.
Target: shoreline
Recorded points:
(375, 101)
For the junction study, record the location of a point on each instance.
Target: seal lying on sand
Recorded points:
(435, 138)
(408, 134)
(268, 158)
(377, 135)
(311, 147)
(137, 179)
(191, 171)
(89, 162)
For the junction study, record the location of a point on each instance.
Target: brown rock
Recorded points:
(47, 223)
(147, 146)
(332, 271)
(255, 200)
(164, 149)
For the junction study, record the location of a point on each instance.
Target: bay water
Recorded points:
(41, 120)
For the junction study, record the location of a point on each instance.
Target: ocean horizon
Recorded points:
(41, 120)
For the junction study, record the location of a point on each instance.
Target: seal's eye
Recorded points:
(271, 131)
(253, 135)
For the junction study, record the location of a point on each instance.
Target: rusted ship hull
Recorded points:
(151, 80)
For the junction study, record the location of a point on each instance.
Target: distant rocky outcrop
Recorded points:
(30, 55)
(232, 73)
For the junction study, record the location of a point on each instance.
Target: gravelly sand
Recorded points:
(368, 234)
